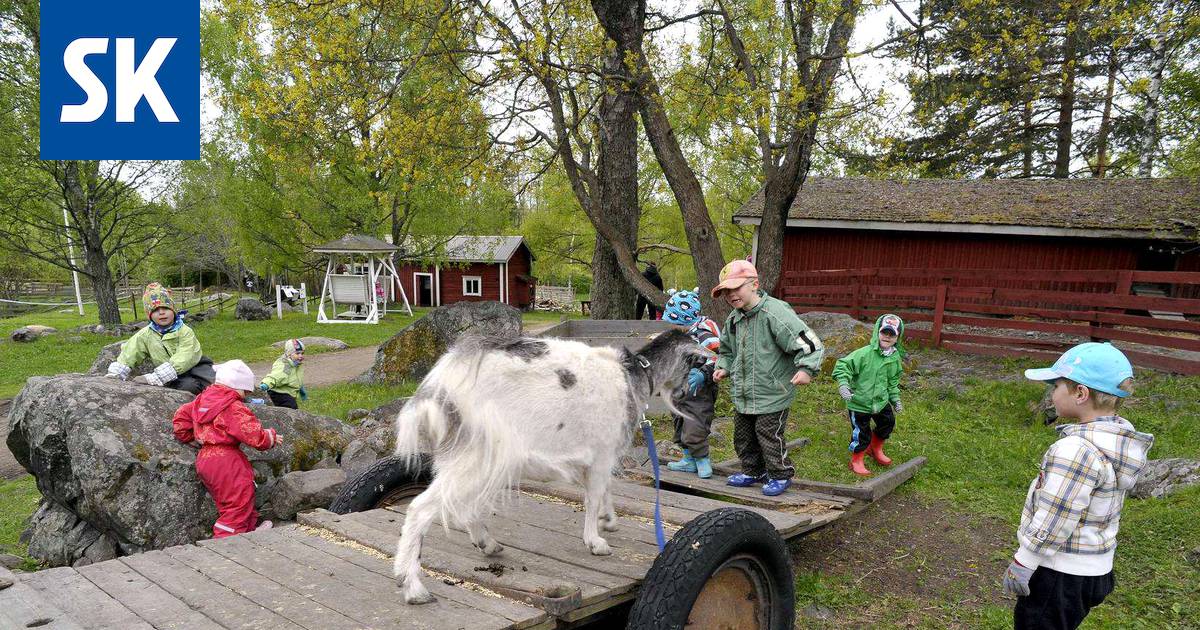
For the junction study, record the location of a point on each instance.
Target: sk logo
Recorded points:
(120, 80)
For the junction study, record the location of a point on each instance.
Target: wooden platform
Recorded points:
(331, 571)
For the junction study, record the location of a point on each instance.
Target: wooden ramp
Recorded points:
(331, 571)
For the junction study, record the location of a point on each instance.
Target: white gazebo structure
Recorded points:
(359, 276)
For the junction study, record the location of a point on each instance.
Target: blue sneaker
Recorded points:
(687, 464)
(775, 487)
(742, 480)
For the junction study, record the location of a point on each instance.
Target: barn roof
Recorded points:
(1164, 207)
(487, 249)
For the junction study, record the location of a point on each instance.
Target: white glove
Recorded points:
(165, 373)
(897, 406)
(117, 370)
(845, 393)
(1016, 579)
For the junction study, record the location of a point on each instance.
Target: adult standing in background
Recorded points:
(650, 274)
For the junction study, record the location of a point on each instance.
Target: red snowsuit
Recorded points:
(221, 421)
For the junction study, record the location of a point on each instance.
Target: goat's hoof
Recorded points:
(492, 549)
(416, 599)
(600, 548)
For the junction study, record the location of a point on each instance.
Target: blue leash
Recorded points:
(652, 448)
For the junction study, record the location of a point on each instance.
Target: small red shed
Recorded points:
(474, 269)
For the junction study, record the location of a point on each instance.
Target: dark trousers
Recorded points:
(196, 379)
(1060, 601)
(692, 432)
(642, 305)
(760, 444)
(280, 399)
(860, 427)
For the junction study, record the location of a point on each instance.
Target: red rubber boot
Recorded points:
(875, 450)
(857, 466)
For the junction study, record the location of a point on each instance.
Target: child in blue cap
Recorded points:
(698, 397)
(1068, 533)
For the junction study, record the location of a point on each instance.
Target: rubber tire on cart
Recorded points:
(388, 481)
(726, 569)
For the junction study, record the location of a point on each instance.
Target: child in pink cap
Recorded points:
(767, 351)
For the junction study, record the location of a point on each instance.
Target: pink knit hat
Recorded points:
(734, 275)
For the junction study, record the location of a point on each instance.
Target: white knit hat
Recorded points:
(235, 374)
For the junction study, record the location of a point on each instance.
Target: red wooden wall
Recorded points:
(520, 293)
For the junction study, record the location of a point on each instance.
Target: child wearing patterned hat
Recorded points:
(169, 343)
(869, 381)
(697, 398)
(286, 380)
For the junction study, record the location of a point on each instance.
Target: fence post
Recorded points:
(939, 310)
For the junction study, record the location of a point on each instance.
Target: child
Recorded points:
(698, 397)
(169, 343)
(869, 381)
(767, 350)
(216, 422)
(1068, 532)
(286, 380)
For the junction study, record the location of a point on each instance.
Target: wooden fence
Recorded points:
(1103, 305)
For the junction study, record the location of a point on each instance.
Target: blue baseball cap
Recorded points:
(1100, 366)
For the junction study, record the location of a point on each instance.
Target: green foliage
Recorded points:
(337, 400)
(18, 499)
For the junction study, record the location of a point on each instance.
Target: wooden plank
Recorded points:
(373, 573)
(553, 593)
(1014, 342)
(145, 598)
(748, 496)
(200, 592)
(1170, 364)
(797, 495)
(259, 585)
(1172, 277)
(22, 606)
(1082, 330)
(1162, 341)
(882, 484)
(626, 507)
(643, 500)
(348, 598)
(82, 601)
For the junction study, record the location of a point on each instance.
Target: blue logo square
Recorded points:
(120, 80)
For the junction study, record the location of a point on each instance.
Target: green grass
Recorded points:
(336, 400)
(18, 499)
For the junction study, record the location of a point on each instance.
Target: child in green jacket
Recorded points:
(169, 343)
(869, 381)
(767, 351)
(286, 380)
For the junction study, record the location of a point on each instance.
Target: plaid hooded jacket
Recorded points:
(1073, 508)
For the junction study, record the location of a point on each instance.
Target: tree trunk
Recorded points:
(1149, 142)
(1027, 139)
(617, 202)
(1106, 119)
(1066, 99)
(79, 180)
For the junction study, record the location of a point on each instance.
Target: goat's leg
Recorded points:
(407, 567)
(481, 538)
(608, 516)
(597, 488)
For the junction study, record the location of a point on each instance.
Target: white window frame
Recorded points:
(417, 286)
(479, 283)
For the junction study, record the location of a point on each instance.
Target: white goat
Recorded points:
(493, 412)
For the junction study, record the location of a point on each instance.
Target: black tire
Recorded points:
(721, 553)
(387, 482)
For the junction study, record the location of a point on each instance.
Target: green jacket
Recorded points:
(762, 349)
(285, 378)
(872, 376)
(180, 348)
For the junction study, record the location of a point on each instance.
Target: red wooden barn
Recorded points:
(1001, 224)
(475, 269)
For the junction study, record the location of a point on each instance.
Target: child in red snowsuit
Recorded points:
(217, 422)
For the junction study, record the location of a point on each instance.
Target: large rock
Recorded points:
(58, 537)
(1161, 477)
(316, 342)
(374, 438)
(103, 450)
(304, 490)
(120, 330)
(251, 309)
(109, 353)
(411, 353)
(32, 332)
